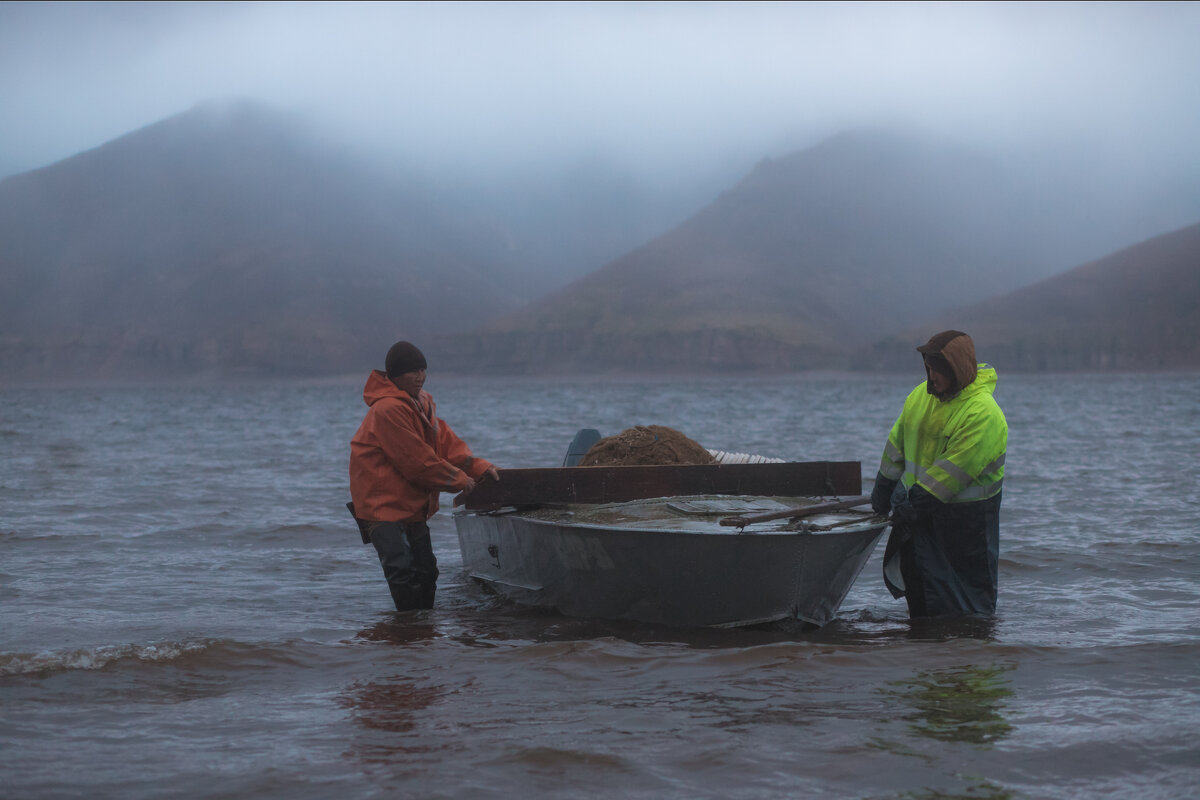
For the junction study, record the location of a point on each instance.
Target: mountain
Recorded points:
(1136, 309)
(230, 240)
(560, 219)
(227, 240)
(814, 255)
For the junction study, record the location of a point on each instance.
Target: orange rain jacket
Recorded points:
(402, 456)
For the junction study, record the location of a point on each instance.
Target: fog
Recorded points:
(671, 86)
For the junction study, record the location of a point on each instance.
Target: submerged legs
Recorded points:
(409, 565)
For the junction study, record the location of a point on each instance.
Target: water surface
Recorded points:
(186, 610)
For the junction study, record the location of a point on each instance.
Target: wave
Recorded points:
(201, 654)
(99, 657)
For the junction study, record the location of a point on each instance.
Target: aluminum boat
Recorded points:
(685, 546)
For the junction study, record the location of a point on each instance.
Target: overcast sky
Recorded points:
(648, 81)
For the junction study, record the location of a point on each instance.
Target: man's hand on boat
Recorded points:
(472, 483)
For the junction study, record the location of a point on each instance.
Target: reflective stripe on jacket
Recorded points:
(402, 456)
(954, 448)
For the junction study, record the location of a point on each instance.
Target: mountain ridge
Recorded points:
(224, 241)
(804, 262)
(1135, 309)
(227, 241)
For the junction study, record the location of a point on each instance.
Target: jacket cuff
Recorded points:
(477, 467)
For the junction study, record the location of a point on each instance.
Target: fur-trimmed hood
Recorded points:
(956, 349)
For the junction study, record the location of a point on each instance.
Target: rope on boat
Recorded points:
(724, 457)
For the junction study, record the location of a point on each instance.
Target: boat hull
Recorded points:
(678, 578)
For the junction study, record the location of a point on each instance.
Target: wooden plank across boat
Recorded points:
(518, 487)
(647, 543)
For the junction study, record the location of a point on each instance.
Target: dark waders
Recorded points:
(406, 555)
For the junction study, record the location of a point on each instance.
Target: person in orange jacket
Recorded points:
(401, 458)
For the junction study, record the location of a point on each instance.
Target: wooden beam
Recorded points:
(521, 487)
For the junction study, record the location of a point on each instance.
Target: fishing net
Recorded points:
(646, 444)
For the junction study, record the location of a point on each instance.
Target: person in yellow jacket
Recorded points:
(940, 478)
(401, 458)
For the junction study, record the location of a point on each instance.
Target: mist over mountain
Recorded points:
(1136, 309)
(813, 256)
(230, 239)
(221, 240)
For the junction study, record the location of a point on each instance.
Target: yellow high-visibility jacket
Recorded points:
(954, 449)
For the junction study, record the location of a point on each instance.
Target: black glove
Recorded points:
(918, 504)
(881, 495)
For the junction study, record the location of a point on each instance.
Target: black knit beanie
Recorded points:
(404, 357)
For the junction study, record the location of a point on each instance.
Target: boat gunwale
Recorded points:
(867, 524)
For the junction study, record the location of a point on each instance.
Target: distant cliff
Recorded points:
(1137, 309)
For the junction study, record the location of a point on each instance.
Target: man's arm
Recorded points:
(399, 433)
(891, 469)
(459, 454)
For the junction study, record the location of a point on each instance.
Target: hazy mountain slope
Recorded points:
(225, 241)
(559, 220)
(806, 259)
(221, 239)
(1135, 309)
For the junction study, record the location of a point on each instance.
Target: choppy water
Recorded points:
(186, 611)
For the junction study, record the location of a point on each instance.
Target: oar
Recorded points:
(802, 511)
